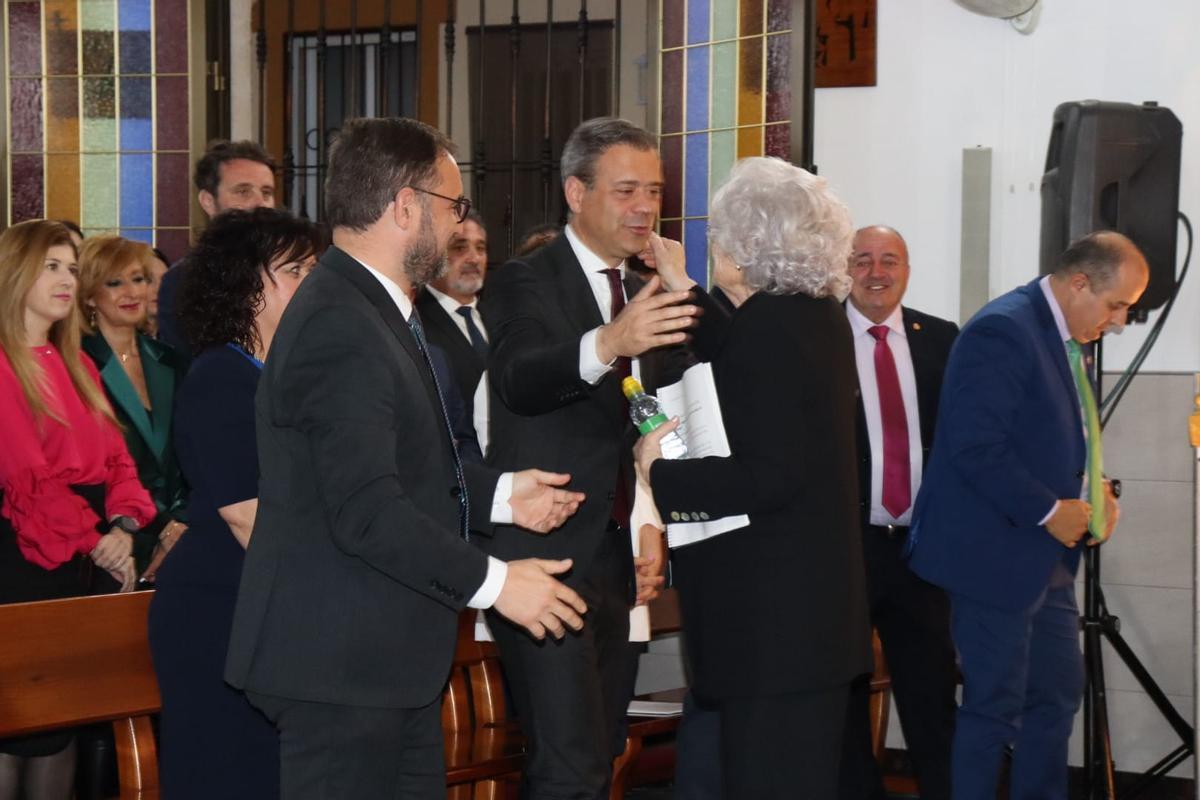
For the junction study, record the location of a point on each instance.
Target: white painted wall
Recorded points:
(950, 79)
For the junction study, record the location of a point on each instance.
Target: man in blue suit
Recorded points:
(1005, 503)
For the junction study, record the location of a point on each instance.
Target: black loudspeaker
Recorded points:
(1114, 166)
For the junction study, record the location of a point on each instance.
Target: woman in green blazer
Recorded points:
(140, 376)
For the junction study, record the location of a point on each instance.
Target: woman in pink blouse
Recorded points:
(70, 493)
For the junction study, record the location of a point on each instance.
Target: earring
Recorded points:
(92, 318)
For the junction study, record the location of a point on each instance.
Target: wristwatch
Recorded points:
(127, 524)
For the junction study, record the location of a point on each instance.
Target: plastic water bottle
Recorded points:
(647, 415)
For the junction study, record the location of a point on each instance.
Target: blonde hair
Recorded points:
(102, 258)
(23, 249)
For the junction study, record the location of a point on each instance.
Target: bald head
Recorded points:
(1098, 278)
(879, 268)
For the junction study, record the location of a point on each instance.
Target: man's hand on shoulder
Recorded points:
(1069, 522)
(538, 504)
(535, 600)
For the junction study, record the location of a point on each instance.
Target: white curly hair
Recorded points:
(784, 227)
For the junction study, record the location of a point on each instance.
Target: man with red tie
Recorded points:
(901, 354)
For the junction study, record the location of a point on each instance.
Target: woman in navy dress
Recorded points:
(240, 278)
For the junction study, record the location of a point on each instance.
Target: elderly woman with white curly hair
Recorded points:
(774, 615)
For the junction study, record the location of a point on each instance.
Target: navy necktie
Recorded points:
(464, 506)
(479, 344)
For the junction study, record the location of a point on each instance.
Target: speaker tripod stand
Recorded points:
(1099, 626)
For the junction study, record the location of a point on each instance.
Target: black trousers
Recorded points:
(783, 746)
(333, 752)
(913, 620)
(572, 694)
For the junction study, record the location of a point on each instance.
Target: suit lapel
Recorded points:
(347, 267)
(121, 390)
(579, 301)
(434, 316)
(1052, 341)
(925, 371)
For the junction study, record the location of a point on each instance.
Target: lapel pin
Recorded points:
(916, 326)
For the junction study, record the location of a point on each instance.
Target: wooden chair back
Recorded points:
(78, 661)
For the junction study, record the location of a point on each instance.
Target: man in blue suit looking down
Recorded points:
(1013, 486)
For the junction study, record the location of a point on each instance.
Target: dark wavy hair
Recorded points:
(222, 288)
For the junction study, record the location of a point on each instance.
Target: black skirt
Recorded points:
(23, 582)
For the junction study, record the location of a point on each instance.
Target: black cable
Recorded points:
(1109, 404)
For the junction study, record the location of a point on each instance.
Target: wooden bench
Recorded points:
(74, 662)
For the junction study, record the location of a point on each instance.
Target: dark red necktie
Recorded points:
(897, 482)
(623, 366)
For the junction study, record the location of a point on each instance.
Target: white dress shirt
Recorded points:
(591, 368)
(1064, 333)
(451, 306)
(497, 572)
(864, 355)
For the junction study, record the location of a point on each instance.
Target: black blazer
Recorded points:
(149, 437)
(465, 363)
(537, 309)
(779, 606)
(355, 572)
(929, 341)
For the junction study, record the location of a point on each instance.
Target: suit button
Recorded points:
(1079, 474)
(455, 491)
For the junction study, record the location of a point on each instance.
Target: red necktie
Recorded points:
(897, 483)
(623, 366)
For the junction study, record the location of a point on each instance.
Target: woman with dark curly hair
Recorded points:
(240, 278)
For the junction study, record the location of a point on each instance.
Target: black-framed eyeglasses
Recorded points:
(462, 204)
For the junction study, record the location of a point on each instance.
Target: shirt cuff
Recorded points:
(1053, 509)
(591, 368)
(502, 513)
(493, 582)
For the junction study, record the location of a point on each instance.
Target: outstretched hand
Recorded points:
(538, 504)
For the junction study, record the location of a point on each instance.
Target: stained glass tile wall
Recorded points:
(724, 95)
(98, 116)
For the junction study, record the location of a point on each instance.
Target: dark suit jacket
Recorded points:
(537, 309)
(1009, 444)
(779, 606)
(355, 572)
(465, 363)
(929, 342)
(168, 321)
(148, 436)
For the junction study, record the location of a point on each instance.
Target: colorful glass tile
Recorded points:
(695, 248)
(724, 153)
(24, 39)
(171, 35)
(671, 150)
(779, 15)
(139, 234)
(779, 141)
(171, 115)
(97, 15)
(695, 177)
(779, 78)
(673, 13)
(25, 110)
(62, 115)
(672, 95)
(136, 127)
(171, 173)
(671, 229)
(724, 85)
(697, 21)
(724, 19)
(135, 52)
(98, 51)
(174, 242)
(750, 81)
(99, 98)
(62, 186)
(750, 142)
(99, 189)
(26, 187)
(137, 190)
(697, 88)
(62, 37)
(750, 18)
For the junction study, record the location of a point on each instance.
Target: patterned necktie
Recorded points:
(897, 480)
(473, 333)
(623, 366)
(1098, 522)
(464, 506)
